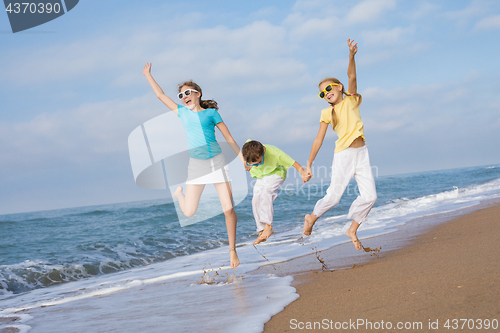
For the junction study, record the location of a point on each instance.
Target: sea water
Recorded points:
(130, 267)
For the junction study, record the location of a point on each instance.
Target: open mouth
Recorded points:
(189, 103)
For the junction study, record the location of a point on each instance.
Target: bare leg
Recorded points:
(309, 221)
(351, 233)
(189, 202)
(178, 193)
(265, 234)
(226, 200)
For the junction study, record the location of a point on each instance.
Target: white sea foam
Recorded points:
(149, 297)
(15, 321)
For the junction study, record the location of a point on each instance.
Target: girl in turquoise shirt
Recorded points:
(200, 117)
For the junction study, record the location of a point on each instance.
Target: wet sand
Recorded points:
(451, 271)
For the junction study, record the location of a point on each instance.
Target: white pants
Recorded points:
(351, 162)
(264, 193)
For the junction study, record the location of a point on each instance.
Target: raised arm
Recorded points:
(158, 91)
(318, 142)
(351, 70)
(229, 139)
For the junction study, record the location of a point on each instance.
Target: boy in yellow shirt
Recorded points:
(269, 165)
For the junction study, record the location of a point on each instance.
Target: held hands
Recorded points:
(306, 175)
(147, 69)
(353, 48)
(247, 167)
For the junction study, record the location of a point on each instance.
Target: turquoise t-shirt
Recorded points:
(200, 131)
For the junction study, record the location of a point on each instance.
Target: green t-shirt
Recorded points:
(276, 162)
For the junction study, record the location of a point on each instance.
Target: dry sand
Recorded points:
(450, 272)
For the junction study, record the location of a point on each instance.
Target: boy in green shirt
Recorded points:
(268, 164)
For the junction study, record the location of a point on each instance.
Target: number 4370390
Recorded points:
(27, 7)
(461, 324)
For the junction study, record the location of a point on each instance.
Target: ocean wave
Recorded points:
(29, 275)
(115, 240)
(164, 205)
(7, 223)
(95, 212)
(404, 208)
(38, 219)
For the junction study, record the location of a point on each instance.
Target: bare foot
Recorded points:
(308, 225)
(234, 258)
(264, 234)
(177, 192)
(260, 239)
(354, 238)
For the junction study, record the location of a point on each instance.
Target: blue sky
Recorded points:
(71, 90)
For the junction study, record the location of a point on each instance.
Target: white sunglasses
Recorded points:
(186, 92)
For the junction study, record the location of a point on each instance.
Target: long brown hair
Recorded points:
(206, 104)
(356, 96)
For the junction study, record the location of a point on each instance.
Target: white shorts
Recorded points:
(211, 171)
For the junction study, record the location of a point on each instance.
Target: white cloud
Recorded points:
(445, 107)
(260, 49)
(285, 125)
(83, 135)
(310, 5)
(491, 22)
(57, 62)
(425, 9)
(86, 60)
(322, 21)
(369, 11)
(319, 28)
(387, 36)
(476, 8)
(384, 126)
(256, 58)
(265, 12)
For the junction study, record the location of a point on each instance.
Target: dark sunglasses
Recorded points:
(327, 89)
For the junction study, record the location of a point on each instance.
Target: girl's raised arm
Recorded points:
(351, 70)
(318, 142)
(158, 91)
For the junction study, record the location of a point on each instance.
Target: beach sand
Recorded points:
(452, 271)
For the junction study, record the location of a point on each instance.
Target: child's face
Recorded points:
(334, 96)
(259, 161)
(192, 100)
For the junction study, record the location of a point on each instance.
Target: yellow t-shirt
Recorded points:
(349, 123)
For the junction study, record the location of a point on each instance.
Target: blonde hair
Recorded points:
(355, 95)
